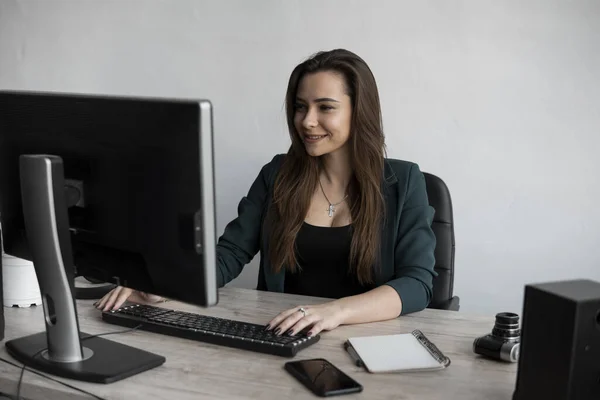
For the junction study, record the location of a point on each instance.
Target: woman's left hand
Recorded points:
(321, 317)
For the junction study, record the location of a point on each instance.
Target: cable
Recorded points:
(23, 368)
(22, 373)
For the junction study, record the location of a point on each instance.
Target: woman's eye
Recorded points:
(298, 106)
(326, 108)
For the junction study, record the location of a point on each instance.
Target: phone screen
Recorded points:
(322, 377)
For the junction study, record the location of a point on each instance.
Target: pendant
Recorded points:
(331, 210)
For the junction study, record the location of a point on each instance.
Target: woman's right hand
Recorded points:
(116, 297)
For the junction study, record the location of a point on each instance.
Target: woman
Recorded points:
(332, 218)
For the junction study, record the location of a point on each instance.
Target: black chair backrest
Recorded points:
(443, 227)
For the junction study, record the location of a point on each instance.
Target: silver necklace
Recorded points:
(331, 208)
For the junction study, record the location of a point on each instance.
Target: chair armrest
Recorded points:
(452, 304)
(93, 293)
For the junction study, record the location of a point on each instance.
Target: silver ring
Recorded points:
(303, 311)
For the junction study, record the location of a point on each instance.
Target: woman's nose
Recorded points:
(310, 120)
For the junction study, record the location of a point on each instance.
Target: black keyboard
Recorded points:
(224, 332)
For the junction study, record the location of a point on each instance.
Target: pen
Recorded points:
(355, 357)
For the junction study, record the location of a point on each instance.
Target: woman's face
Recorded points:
(323, 113)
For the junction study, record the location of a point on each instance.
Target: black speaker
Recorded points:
(560, 342)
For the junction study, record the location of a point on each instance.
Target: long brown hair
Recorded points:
(298, 177)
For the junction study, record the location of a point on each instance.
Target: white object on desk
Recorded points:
(20, 285)
(398, 353)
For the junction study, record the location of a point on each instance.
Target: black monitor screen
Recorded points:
(133, 171)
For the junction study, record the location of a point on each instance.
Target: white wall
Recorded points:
(499, 98)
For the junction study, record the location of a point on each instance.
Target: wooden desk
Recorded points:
(196, 370)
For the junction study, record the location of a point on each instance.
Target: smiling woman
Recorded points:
(333, 217)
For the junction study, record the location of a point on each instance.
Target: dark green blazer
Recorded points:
(407, 246)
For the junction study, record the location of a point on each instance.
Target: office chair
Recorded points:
(92, 289)
(443, 228)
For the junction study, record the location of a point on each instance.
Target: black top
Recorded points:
(323, 254)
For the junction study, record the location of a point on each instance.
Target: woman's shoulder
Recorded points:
(270, 169)
(401, 171)
(400, 165)
(277, 160)
(275, 164)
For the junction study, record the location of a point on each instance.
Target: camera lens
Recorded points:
(507, 326)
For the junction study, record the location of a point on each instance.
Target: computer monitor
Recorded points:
(118, 189)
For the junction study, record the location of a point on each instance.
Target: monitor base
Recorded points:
(104, 361)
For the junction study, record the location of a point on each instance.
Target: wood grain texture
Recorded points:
(196, 370)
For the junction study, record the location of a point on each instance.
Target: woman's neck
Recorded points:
(337, 169)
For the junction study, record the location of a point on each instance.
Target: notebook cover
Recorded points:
(396, 353)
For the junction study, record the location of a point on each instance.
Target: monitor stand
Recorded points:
(62, 349)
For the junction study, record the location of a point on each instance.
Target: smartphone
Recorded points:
(322, 377)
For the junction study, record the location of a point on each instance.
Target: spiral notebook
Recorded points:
(396, 353)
